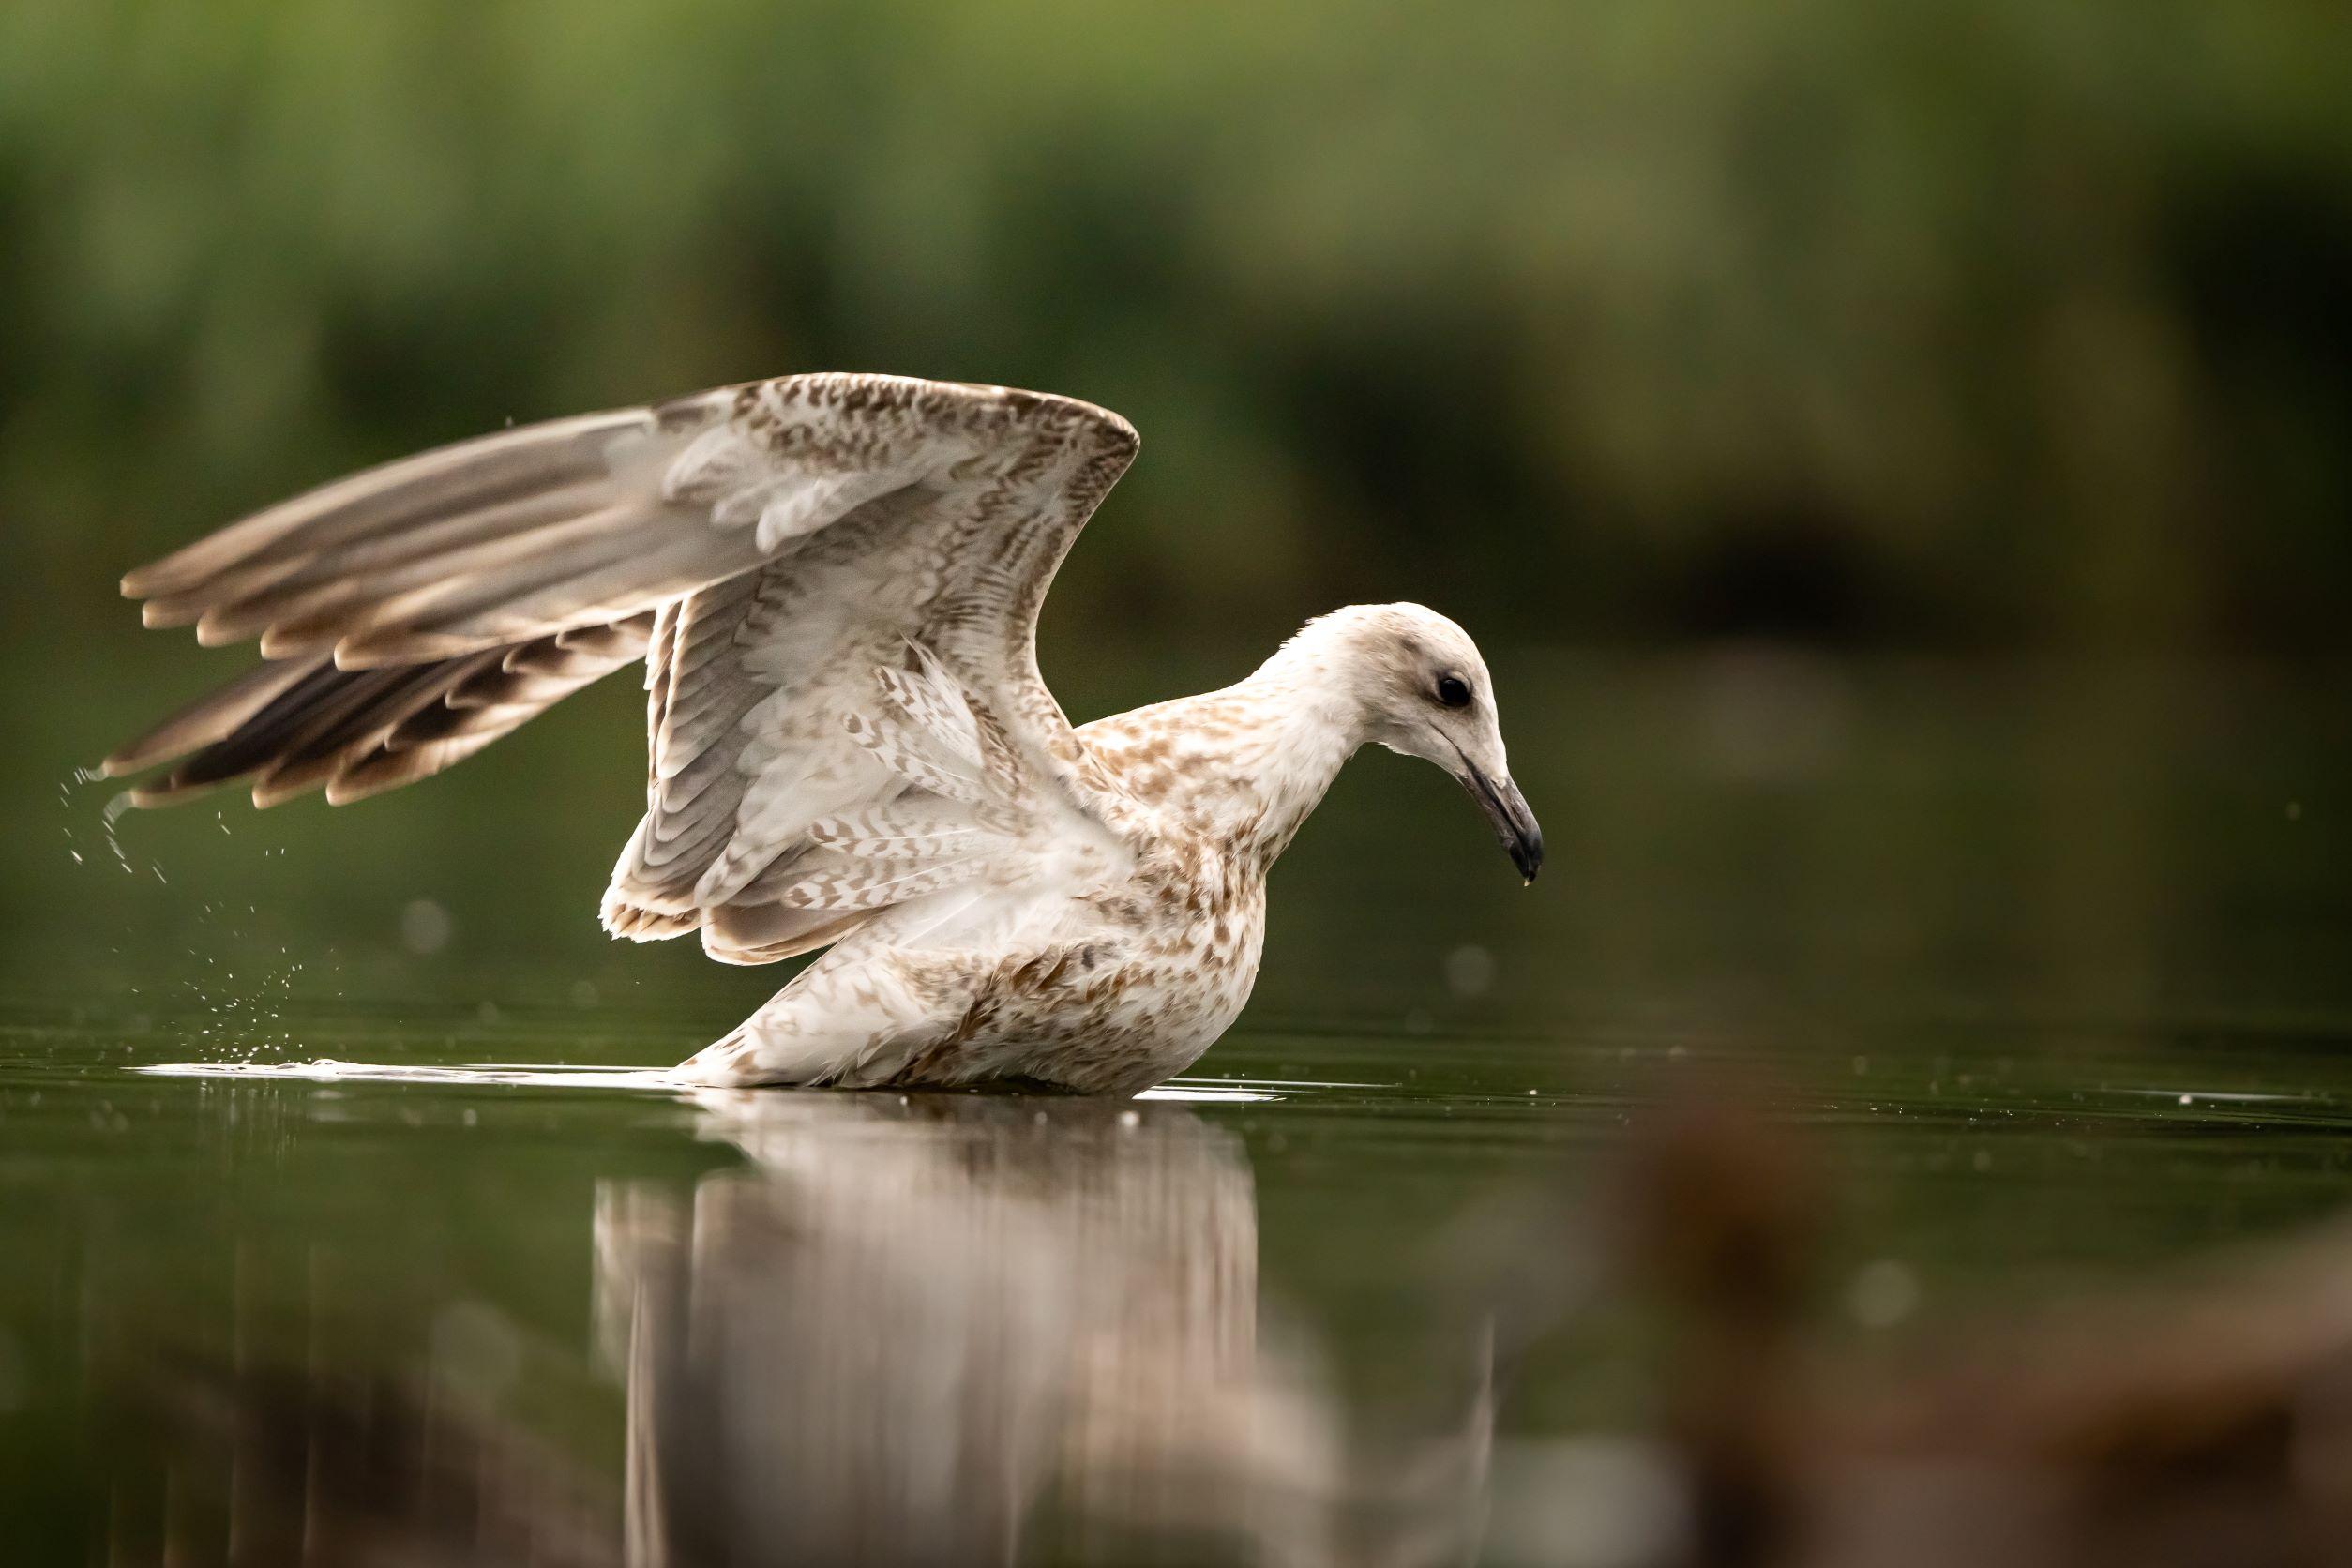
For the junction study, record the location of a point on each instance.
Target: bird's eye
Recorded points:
(1453, 691)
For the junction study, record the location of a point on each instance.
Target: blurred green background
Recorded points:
(1898, 456)
(1929, 325)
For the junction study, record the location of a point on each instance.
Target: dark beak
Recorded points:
(1507, 812)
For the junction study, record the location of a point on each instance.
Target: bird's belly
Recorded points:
(1148, 1003)
(1107, 992)
(1119, 1033)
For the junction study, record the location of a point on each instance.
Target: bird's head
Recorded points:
(1420, 688)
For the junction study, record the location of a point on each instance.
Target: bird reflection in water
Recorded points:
(923, 1329)
(930, 1328)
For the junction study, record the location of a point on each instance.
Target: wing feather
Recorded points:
(302, 724)
(833, 580)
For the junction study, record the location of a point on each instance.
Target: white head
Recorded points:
(1415, 683)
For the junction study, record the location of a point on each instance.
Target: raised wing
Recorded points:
(836, 579)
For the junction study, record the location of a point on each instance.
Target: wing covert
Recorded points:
(888, 663)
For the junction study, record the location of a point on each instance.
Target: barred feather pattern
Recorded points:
(851, 671)
(300, 725)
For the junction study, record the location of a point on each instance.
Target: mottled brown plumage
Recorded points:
(833, 583)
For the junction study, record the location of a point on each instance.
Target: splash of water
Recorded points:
(242, 988)
(82, 778)
(655, 1079)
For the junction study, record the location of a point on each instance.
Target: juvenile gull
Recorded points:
(834, 583)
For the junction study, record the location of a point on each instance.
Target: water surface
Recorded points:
(2038, 977)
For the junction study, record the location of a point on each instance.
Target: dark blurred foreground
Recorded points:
(963, 1330)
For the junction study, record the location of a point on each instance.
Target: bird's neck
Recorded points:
(1304, 732)
(1246, 763)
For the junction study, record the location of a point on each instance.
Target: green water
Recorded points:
(2045, 974)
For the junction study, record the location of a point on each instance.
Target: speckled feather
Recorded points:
(833, 581)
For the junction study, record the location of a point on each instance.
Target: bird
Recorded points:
(833, 583)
